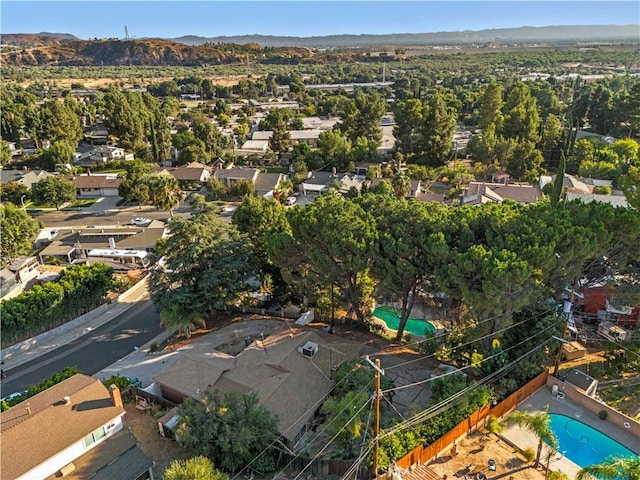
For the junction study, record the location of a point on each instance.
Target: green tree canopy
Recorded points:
(195, 468)
(612, 469)
(18, 232)
(207, 263)
(229, 427)
(54, 190)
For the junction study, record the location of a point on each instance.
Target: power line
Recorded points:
(310, 409)
(330, 441)
(445, 404)
(458, 370)
(424, 357)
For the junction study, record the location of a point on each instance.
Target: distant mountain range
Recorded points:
(63, 49)
(551, 34)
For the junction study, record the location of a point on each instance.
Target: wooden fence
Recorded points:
(424, 454)
(319, 467)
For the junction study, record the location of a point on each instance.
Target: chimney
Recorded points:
(334, 171)
(112, 243)
(28, 407)
(114, 393)
(67, 400)
(88, 172)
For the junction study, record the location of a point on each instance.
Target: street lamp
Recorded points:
(22, 201)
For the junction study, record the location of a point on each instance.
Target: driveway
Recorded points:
(104, 203)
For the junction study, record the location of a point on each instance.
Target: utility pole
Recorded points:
(376, 411)
(333, 318)
(567, 311)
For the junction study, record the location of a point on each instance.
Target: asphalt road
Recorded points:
(63, 218)
(92, 352)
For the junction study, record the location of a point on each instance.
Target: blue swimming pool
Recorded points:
(582, 444)
(414, 326)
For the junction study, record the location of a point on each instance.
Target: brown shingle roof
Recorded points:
(95, 181)
(51, 426)
(289, 385)
(186, 173)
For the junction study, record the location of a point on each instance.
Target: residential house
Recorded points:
(85, 244)
(264, 183)
(92, 185)
(17, 277)
(193, 174)
(318, 182)
(25, 177)
(599, 303)
(290, 371)
(107, 153)
(478, 193)
(83, 153)
(75, 430)
(585, 190)
(320, 123)
(266, 106)
(310, 137)
(415, 187)
(229, 176)
(267, 183)
(255, 147)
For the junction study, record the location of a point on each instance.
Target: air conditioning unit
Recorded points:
(309, 349)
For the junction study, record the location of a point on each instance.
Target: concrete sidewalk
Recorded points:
(34, 347)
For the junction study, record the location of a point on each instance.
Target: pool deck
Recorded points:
(522, 438)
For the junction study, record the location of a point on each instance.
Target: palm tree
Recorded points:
(178, 317)
(539, 425)
(613, 468)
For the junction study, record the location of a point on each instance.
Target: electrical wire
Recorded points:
(445, 404)
(310, 409)
(458, 370)
(437, 337)
(330, 441)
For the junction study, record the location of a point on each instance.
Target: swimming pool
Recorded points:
(582, 444)
(414, 326)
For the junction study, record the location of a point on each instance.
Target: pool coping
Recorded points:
(523, 439)
(392, 331)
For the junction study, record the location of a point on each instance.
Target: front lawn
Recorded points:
(82, 203)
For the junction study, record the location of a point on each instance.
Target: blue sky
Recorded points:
(167, 19)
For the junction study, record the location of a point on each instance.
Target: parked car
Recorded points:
(290, 200)
(140, 221)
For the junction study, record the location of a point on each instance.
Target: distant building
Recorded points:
(478, 193)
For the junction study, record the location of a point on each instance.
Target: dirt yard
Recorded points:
(160, 449)
(476, 450)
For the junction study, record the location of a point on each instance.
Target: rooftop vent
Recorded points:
(309, 349)
(67, 400)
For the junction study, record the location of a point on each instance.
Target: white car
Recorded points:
(290, 200)
(140, 222)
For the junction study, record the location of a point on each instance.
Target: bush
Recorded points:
(602, 190)
(603, 414)
(493, 425)
(121, 382)
(529, 454)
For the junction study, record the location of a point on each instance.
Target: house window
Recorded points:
(93, 437)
